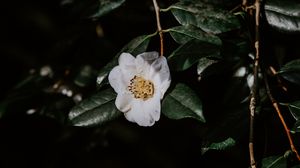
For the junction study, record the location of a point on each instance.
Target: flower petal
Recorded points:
(123, 102)
(144, 113)
(143, 62)
(115, 79)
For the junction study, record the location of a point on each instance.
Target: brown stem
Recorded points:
(273, 71)
(287, 130)
(159, 29)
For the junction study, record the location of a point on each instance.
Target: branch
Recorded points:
(156, 7)
(276, 107)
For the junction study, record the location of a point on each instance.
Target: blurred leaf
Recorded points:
(183, 34)
(291, 71)
(205, 16)
(294, 108)
(283, 15)
(135, 47)
(106, 6)
(228, 143)
(181, 103)
(85, 76)
(95, 110)
(296, 127)
(297, 166)
(203, 64)
(274, 162)
(189, 53)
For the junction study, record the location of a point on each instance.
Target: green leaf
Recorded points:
(203, 64)
(183, 34)
(189, 53)
(291, 71)
(135, 47)
(294, 108)
(228, 143)
(95, 110)
(274, 162)
(181, 103)
(205, 16)
(105, 6)
(283, 15)
(296, 127)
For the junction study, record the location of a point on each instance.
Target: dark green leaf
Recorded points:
(205, 16)
(85, 76)
(294, 108)
(96, 110)
(189, 53)
(182, 102)
(183, 34)
(297, 166)
(291, 71)
(135, 47)
(106, 6)
(296, 127)
(283, 15)
(228, 143)
(203, 64)
(274, 162)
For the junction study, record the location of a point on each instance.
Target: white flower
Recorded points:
(140, 84)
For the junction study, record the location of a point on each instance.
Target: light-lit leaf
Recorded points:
(228, 143)
(204, 63)
(135, 47)
(95, 110)
(189, 53)
(283, 15)
(183, 34)
(291, 71)
(274, 162)
(205, 16)
(106, 6)
(294, 108)
(181, 103)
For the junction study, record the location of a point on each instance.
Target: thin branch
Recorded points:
(159, 29)
(254, 89)
(273, 71)
(276, 107)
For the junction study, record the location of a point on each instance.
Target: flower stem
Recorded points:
(276, 107)
(159, 29)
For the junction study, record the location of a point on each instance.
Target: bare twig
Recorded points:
(159, 29)
(276, 107)
(273, 71)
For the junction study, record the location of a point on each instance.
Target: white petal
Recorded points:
(123, 102)
(126, 59)
(143, 62)
(144, 113)
(115, 79)
(164, 87)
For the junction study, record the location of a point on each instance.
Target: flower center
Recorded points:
(141, 88)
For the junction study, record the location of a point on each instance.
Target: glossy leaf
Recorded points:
(283, 15)
(291, 71)
(294, 108)
(203, 64)
(296, 127)
(189, 53)
(106, 6)
(96, 110)
(183, 34)
(135, 46)
(205, 16)
(228, 143)
(274, 162)
(181, 103)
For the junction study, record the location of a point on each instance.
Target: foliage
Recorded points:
(59, 55)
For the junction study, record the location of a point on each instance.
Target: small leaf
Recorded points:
(189, 53)
(294, 108)
(181, 103)
(291, 71)
(228, 143)
(135, 47)
(296, 127)
(274, 162)
(204, 63)
(183, 34)
(96, 110)
(205, 16)
(106, 6)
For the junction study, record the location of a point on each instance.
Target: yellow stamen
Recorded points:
(141, 88)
